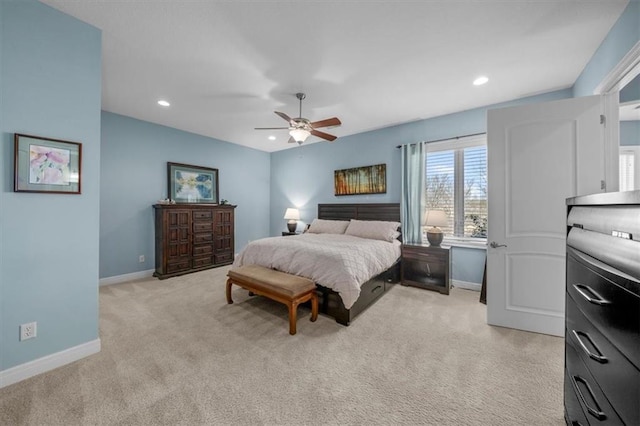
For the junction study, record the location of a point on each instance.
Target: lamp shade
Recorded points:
(292, 214)
(435, 218)
(299, 135)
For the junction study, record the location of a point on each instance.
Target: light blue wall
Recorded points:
(134, 177)
(467, 264)
(631, 92)
(51, 86)
(629, 133)
(303, 176)
(624, 34)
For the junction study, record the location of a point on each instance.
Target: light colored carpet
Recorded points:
(173, 352)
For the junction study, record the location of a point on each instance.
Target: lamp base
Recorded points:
(292, 226)
(435, 238)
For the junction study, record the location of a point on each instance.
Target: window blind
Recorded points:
(440, 183)
(627, 170)
(475, 192)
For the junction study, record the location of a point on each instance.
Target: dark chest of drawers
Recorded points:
(191, 238)
(602, 334)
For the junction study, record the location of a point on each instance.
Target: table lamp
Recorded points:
(293, 215)
(435, 219)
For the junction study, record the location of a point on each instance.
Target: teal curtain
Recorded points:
(412, 203)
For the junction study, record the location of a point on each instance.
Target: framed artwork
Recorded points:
(46, 165)
(361, 180)
(192, 184)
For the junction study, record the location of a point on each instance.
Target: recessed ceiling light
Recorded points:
(480, 81)
(272, 138)
(163, 103)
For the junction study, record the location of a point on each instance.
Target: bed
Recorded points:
(348, 298)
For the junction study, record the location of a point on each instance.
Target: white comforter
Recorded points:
(340, 262)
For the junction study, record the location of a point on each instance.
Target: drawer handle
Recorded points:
(594, 297)
(595, 412)
(598, 357)
(376, 288)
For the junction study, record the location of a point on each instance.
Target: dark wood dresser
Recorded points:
(602, 334)
(192, 237)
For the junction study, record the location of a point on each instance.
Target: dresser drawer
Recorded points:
(202, 226)
(574, 415)
(590, 396)
(203, 238)
(200, 250)
(178, 266)
(427, 256)
(199, 262)
(199, 215)
(615, 374)
(613, 310)
(223, 258)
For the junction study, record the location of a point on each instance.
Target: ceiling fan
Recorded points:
(300, 128)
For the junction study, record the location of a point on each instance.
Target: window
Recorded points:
(629, 168)
(456, 182)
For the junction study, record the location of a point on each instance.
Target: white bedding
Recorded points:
(340, 262)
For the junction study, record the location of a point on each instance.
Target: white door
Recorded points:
(538, 155)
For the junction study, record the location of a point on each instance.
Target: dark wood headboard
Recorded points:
(379, 211)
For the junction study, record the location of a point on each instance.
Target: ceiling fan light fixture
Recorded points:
(301, 128)
(299, 135)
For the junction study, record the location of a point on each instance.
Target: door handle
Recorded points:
(493, 244)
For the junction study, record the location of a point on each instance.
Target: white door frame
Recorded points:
(625, 71)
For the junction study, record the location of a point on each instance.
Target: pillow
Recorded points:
(374, 229)
(323, 226)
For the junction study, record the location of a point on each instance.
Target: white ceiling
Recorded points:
(225, 66)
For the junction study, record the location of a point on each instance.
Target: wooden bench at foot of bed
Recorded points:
(275, 285)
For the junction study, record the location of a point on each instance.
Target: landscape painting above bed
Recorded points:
(346, 284)
(361, 180)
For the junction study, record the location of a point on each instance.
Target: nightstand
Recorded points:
(426, 267)
(287, 233)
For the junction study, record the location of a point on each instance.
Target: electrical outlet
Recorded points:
(28, 330)
(141, 258)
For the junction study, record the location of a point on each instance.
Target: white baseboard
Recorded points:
(117, 279)
(467, 285)
(48, 363)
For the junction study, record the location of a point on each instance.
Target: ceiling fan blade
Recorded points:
(270, 128)
(326, 123)
(323, 135)
(285, 116)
